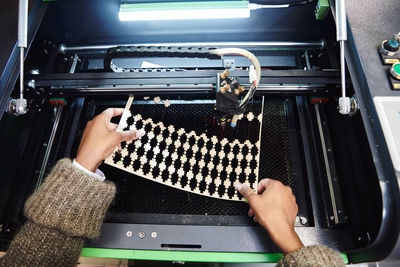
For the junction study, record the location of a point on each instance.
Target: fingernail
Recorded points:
(140, 133)
(238, 186)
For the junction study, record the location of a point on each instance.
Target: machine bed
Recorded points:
(329, 160)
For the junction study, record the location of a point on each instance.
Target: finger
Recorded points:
(290, 190)
(294, 201)
(262, 185)
(113, 126)
(244, 190)
(112, 112)
(131, 135)
(251, 212)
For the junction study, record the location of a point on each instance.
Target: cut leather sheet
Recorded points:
(187, 160)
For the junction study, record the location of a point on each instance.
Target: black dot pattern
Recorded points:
(205, 164)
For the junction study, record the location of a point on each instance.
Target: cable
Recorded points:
(251, 93)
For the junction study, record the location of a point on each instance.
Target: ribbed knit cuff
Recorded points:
(36, 245)
(312, 256)
(70, 201)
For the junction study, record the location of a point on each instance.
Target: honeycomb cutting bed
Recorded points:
(136, 195)
(199, 161)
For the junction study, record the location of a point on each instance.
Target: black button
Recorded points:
(391, 45)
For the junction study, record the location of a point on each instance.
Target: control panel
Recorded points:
(390, 55)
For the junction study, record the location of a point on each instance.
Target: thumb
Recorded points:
(131, 135)
(244, 190)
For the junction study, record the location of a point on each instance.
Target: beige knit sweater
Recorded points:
(70, 206)
(66, 209)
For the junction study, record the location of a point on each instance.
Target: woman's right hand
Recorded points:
(274, 208)
(100, 139)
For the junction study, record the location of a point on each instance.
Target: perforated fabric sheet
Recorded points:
(188, 160)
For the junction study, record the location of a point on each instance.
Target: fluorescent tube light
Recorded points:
(184, 14)
(258, 6)
(184, 10)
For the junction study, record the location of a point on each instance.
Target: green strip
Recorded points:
(345, 259)
(59, 99)
(184, 6)
(188, 256)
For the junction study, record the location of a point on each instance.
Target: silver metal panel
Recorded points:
(388, 109)
(318, 44)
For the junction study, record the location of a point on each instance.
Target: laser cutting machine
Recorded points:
(328, 86)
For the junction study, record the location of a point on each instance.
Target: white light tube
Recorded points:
(184, 14)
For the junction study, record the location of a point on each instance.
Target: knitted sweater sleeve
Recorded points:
(312, 256)
(66, 209)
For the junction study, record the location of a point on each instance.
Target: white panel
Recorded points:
(388, 109)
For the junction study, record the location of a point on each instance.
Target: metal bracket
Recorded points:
(229, 64)
(354, 106)
(17, 107)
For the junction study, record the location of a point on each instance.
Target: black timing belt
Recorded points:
(157, 51)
